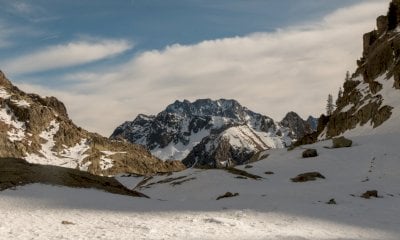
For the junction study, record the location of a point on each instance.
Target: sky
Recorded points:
(111, 60)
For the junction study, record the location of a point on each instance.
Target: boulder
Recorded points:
(341, 142)
(309, 153)
(370, 193)
(309, 176)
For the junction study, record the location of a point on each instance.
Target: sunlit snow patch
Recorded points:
(21, 103)
(105, 161)
(4, 94)
(17, 128)
(70, 157)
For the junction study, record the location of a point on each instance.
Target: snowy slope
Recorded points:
(269, 208)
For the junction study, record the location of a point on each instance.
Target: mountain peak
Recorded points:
(206, 107)
(175, 132)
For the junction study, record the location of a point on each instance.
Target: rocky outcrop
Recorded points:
(39, 130)
(298, 126)
(362, 101)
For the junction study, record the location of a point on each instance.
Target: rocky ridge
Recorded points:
(208, 133)
(371, 94)
(39, 130)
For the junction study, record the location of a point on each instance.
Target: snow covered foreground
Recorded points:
(270, 208)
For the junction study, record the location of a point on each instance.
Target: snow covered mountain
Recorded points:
(221, 128)
(40, 131)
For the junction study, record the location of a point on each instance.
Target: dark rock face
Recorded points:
(362, 102)
(341, 142)
(28, 122)
(313, 123)
(309, 153)
(298, 126)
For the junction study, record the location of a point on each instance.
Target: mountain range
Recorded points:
(212, 133)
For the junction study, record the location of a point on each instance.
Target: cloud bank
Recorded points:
(66, 55)
(271, 73)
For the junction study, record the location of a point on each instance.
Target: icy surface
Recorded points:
(270, 208)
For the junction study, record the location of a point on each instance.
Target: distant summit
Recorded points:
(212, 133)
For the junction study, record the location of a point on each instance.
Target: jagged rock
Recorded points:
(361, 102)
(312, 138)
(309, 176)
(309, 153)
(208, 133)
(382, 24)
(369, 194)
(298, 126)
(341, 142)
(39, 130)
(227, 195)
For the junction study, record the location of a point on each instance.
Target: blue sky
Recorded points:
(137, 56)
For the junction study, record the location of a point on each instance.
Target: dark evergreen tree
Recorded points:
(329, 105)
(392, 16)
(340, 95)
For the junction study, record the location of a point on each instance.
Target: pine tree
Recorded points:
(330, 106)
(347, 76)
(392, 16)
(340, 95)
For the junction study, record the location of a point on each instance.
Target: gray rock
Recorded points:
(341, 142)
(309, 153)
(370, 193)
(309, 176)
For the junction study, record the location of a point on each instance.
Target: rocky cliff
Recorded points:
(39, 130)
(371, 94)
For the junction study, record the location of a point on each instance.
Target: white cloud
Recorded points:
(66, 55)
(272, 73)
